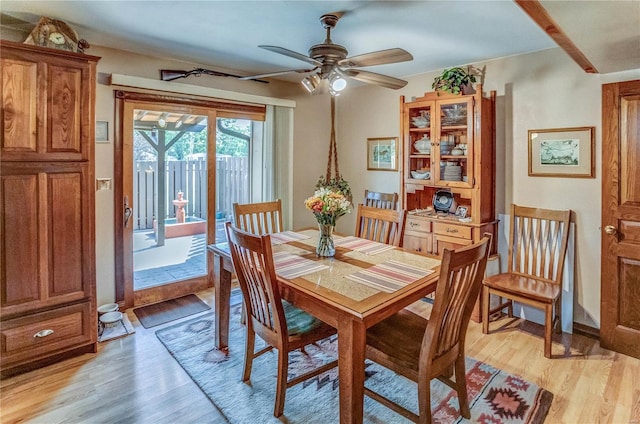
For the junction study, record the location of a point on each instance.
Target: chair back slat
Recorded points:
(259, 218)
(381, 225)
(460, 281)
(252, 259)
(376, 199)
(538, 242)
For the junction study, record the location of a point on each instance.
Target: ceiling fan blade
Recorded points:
(273, 74)
(292, 54)
(374, 78)
(381, 57)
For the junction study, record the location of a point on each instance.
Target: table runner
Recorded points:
(389, 276)
(291, 266)
(286, 237)
(369, 247)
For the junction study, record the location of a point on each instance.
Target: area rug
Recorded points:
(170, 310)
(495, 396)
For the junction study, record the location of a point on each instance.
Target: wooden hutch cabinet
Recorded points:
(47, 210)
(448, 145)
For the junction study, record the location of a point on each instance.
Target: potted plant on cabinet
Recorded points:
(456, 80)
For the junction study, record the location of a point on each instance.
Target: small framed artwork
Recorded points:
(102, 132)
(382, 154)
(562, 152)
(461, 211)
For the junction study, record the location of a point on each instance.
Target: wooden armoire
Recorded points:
(47, 211)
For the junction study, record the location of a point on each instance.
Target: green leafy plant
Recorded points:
(453, 80)
(336, 184)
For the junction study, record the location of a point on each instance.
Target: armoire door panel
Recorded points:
(65, 233)
(47, 234)
(50, 106)
(20, 239)
(65, 102)
(19, 102)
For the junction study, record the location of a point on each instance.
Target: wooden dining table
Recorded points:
(335, 296)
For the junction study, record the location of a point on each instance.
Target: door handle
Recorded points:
(127, 211)
(611, 230)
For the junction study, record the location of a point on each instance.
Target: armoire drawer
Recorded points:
(43, 334)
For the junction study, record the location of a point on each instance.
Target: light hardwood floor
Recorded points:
(135, 380)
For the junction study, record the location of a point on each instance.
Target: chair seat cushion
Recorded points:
(398, 337)
(298, 321)
(540, 290)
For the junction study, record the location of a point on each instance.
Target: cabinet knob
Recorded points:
(43, 333)
(611, 230)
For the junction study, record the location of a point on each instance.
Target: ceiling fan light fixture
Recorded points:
(311, 83)
(336, 82)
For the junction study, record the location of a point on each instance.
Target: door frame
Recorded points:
(123, 185)
(124, 290)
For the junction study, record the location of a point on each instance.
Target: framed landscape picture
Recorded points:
(562, 152)
(382, 154)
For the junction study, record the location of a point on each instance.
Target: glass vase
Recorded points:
(325, 245)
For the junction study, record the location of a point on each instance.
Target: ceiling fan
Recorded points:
(332, 64)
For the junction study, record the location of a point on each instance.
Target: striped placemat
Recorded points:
(286, 237)
(389, 276)
(369, 247)
(291, 266)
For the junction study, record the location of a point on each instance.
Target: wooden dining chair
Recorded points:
(381, 225)
(537, 248)
(439, 353)
(280, 324)
(381, 200)
(259, 218)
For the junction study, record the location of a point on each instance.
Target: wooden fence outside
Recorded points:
(190, 177)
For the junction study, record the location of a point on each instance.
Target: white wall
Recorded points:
(544, 89)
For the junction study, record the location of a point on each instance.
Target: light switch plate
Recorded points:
(103, 184)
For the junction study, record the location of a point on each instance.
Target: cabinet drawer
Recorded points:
(38, 335)
(420, 242)
(417, 224)
(452, 230)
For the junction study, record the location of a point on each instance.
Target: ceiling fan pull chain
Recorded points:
(333, 147)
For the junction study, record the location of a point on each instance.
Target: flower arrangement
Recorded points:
(328, 205)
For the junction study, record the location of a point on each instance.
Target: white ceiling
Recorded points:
(225, 34)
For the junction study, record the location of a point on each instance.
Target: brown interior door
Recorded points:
(620, 297)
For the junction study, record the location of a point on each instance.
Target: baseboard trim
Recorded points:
(586, 330)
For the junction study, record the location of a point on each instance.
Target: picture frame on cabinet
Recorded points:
(382, 154)
(562, 152)
(102, 132)
(461, 211)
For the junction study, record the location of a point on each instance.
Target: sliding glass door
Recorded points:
(169, 208)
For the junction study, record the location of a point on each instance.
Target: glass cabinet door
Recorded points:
(419, 138)
(454, 143)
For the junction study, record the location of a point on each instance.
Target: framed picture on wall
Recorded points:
(382, 154)
(562, 152)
